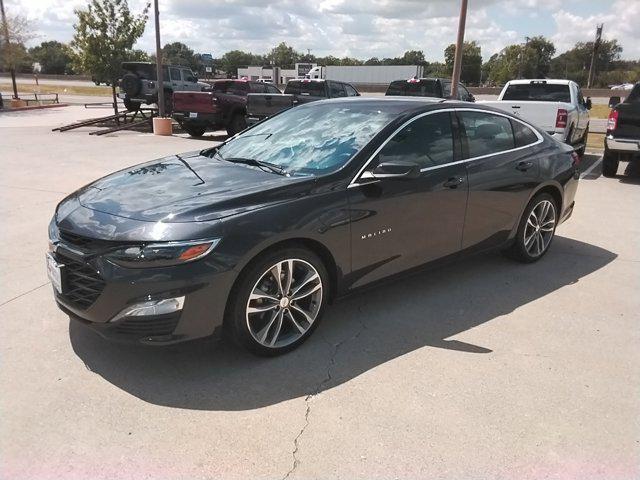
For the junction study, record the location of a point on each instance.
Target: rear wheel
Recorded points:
(278, 301)
(194, 130)
(583, 141)
(237, 124)
(536, 229)
(609, 164)
(131, 105)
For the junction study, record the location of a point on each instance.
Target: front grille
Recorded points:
(87, 244)
(81, 283)
(148, 326)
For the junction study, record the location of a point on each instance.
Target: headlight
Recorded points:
(161, 254)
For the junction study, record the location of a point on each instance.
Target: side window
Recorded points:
(581, 100)
(175, 74)
(239, 88)
(463, 93)
(256, 88)
(427, 141)
(522, 134)
(271, 89)
(446, 89)
(351, 92)
(486, 133)
(187, 75)
(336, 90)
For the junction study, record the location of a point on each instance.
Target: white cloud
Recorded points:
(359, 28)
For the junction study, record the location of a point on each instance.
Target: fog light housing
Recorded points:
(151, 308)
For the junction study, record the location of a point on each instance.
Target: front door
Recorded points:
(397, 224)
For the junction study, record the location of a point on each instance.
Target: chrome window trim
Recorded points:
(358, 176)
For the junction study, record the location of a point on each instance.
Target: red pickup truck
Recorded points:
(222, 106)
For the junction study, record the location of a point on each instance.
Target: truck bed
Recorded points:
(262, 105)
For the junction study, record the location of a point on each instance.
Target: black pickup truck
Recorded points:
(622, 142)
(261, 106)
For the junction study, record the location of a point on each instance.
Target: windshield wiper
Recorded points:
(272, 167)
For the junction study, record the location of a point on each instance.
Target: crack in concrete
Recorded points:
(319, 389)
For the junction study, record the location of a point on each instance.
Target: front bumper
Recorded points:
(96, 290)
(627, 145)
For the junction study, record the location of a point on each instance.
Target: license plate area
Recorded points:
(193, 114)
(54, 272)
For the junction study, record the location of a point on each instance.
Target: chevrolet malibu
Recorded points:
(258, 234)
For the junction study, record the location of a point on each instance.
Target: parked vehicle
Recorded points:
(223, 105)
(556, 106)
(622, 142)
(257, 235)
(261, 106)
(139, 84)
(99, 80)
(428, 87)
(369, 74)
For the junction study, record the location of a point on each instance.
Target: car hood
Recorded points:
(187, 188)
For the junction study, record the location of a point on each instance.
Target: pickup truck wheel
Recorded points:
(609, 164)
(583, 141)
(131, 105)
(237, 124)
(194, 130)
(535, 230)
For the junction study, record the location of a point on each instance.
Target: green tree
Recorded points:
(413, 57)
(13, 54)
(177, 53)
(537, 57)
(471, 62)
(104, 37)
(54, 57)
(574, 64)
(283, 55)
(231, 61)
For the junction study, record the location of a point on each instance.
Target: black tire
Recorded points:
(131, 105)
(194, 130)
(236, 124)
(96, 82)
(520, 249)
(237, 317)
(609, 164)
(131, 84)
(584, 139)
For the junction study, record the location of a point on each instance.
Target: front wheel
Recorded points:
(131, 105)
(194, 130)
(278, 301)
(536, 230)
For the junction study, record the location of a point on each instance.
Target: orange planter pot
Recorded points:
(162, 126)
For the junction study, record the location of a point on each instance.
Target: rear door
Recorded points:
(336, 89)
(502, 171)
(397, 224)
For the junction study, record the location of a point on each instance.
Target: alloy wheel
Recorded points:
(284, 303)
(540, 227)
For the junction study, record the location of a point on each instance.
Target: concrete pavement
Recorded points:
(481, 369)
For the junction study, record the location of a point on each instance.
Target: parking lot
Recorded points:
(482, 369)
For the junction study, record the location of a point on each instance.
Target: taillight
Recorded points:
(576, 159)
(214, 100)
(612, 123)
(561, 118)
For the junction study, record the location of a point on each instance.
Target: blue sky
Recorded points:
(360, 28)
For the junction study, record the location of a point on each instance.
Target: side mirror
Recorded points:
(396, 169)
(472, 98)
(613, 101)
(588, 103)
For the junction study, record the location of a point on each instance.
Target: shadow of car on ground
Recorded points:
(358, 333)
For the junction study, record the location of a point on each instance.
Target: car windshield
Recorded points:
(538, 91)
(420, 88)
(313, 139)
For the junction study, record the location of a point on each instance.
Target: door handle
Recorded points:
(453, 182)
(524, 166)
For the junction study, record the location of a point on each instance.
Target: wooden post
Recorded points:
(457, 63)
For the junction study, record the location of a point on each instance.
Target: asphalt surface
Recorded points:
(480, 369)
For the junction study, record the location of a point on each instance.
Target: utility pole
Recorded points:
(5, 28)
(161, 112)
(594, 54)
(457, 62)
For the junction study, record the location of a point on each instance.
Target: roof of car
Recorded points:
(526, 81)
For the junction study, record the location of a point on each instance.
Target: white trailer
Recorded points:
(373, 74)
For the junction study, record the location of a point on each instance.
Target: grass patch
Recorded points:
(599, 111)
(60, 89)
(595, 141)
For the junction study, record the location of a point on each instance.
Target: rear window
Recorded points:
(634, 96)
(231, 87)
(421, 88)
(313, 89)
(144, 71)
(539, 92)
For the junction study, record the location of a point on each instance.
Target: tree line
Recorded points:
(106, 31)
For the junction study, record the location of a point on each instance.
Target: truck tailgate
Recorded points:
(628, 121)
(267, 104)
(541, 114)
(201, 102)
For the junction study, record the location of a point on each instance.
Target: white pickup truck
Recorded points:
(555, 106)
